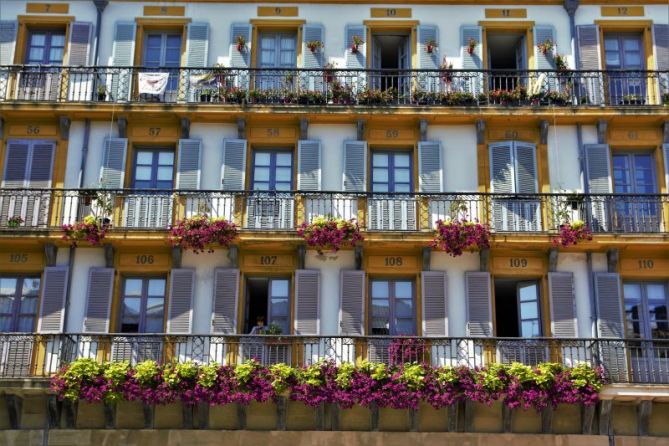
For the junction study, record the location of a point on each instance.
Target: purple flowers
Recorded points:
(331, 234)
(571, 233)
(457, 236)
(398, 386)
(90, 230)
(200, 232)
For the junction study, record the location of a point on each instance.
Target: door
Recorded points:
(404, 64)
(45, 47)
(634, 174)
(624, 58)
(377, 64)
(277, 56)
(392, 205)
(271, 204)
(149, 205)
(162, 54)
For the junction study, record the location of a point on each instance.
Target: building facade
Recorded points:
(525, 117)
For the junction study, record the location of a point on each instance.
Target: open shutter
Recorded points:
(425, 34)
(307, 297)
(598, 167)
(309, 172)
(310, 33)
(588, 47)
(352, 303)
(357, 60)
(188, 171)
(52, 307)
(665, 154)
(355, 166)
(240, 59)
(41, 164)
(610, 324)
(81, 36)
(526, 168)
(430, 171)
(16, 163)
(479, 307)
(112, 171)
(8, 29)
(543, 33)
(434, 287)
(182, 284)
(98, 300)
(563, 304)
(472, 61)
(661, 44)
(197, 44)
(123, 55)
(234, 164)
(226, 298)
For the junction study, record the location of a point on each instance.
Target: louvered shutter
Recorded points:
(197, 44)
(98, 300)
(352, 303)
(589, 60)
(479, 308)
(8, 29)
(123, 55)
(307, 297)
(525, 168)
(473, 83)
(434, 287)
(610, 324)
(112, 171)
(226, 298)
(309, 172)
(430, 171)
(52, 306)
(81, 35)
(41, 164)
(357, 60)
(563, 304)
(665, 154)
(310, 33)
(598, 171)
(16, 163)
(188, 168)
(427, 61)
(240, 59)
(182, 284)
(661, 51)
(543, 33)
(234, 164)
(355, 166)
(501, 168)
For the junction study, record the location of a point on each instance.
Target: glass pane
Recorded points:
(632, 60)
(154, 314)
(30, 285)
(262, 159)
(28, 305)
(403, 289)
(284, 174)
(165, 174)
(157, 287)
(380, 174)
(143, 173)
(5, 324)
(656, 292)
(282, 186)
(529, 310)
(6, 304)
(174, 41)
(632, 292)
(402, 160)
(380, 160)
(56, 55)
(133, 287)
(145, 158)
(172, 57)
(402, 175)
(166, 158)
(261, 174)
(380, 289)
(154, 40)
(404, 308)
(612, 59)
(279, 288)
(632, 44)
(404, 327)
(530, 328)
(279, 306)
(130, 314)
(153, 324)
(260, 186)
(26, 324)
(58, 40)
(528, 292)
(381, 308)
(611, 44)
(7, 285)
(380, 187)
(36, 54)
(402, 188)
(284, 159)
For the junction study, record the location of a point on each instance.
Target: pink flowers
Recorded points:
(457, 236)
(90, 230)
(571, 233)
(200, 232)
(330, 234)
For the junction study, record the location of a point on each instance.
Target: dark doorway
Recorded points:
(517, 308)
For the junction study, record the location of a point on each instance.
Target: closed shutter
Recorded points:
(309, 172)
(542, 34)
(501, 168)
(188, 168)
(123, 55)
(81, 35)
(525, 168)
(563, 304)
(112, 171)
(52, 306)
(41, 164)
(98, 300)
(427, 61)
(357, 60)
(434, 288)
(16, 163)
(197, 44)
(665, 154)
(355, 166)
(610, 324)
(226, 298)
(352, 303)
(430, 171)
(8, 29)
(307, 297)
(240, 59)
(182, 284)
(310, 33)
(479, 308)
(234, 164)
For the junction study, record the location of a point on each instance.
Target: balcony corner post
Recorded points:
(507, 419)
(544, 126)
(547, 420)
(122, 127)
(612, 256)
(14, 407)
(358, 257)
(374, 417)
(301, 256)
(70, 408)
(187, 416)
(241, 416)
(602, 127)
(453, 412)
(304, 128)
(413, 419)
(2, 128)
(281, 413)
(480, 132)
(605, 407)
(50, 254)
(185, 128)
(109, 255)
(177, 254)
(587, 417)
(241, 128)
(552, 260)
(110, 414)
(423, 129)
(360, 129)
(53, 411)
(149, 415)
(644, 411)
(64, 128)
(203, 415)
(427, 258)
(484, 259)
(233, 255)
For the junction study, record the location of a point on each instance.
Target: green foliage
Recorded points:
(583, 375)
(207, 375)
(244, 371)
(146, 371)
(281, 373)
(344, 375)
(413, 375)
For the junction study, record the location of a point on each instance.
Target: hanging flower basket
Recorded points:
(15, 222)
(457, 236)
(355, 44)
(200, 233)
(446, 71)
(571, 233)
(315, 45)
(91, 230)
(241, 43)
(330, 234)
(546, 46)
(431, 46)
(471, 45)
(561, 62)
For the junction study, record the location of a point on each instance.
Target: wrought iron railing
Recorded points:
(332, 87)
(624, 360)
(127, 209)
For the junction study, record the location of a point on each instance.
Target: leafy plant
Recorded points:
(315, 45)
(15, 221)
(561, 63)
(241, 43)
(546, 46)
(430, 46)
(571, 233)
(446, 71)
(355, 44)
(91, 229)
(274, 329)
(471, 45)
(326, 233)
(459, 235)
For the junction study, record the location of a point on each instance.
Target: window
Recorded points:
(393, 307)
(163, 50)
(272, 170)
(392, 172)
(269, 299)
(518, 308)
(18, 303)
(634, 173)
(276, 50)
(625, 52)
(143, 305)
(391, 51)
(646, 310)
(154, 169)
(506, 52)
(45, 47)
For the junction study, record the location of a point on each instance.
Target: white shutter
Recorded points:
(355, 166)
(434, 287)
(309, 171)
(112, 171)
(479, 305)
(430, 170)
(180, 315)
(563, 304)
(233, 172)
(188, 167)
(99, 300)
(197, 44)
(307, 297)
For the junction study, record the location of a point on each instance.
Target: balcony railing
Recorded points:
(333, 87)
(39, 355)
(35, 209)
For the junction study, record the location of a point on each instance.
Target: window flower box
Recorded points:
(330, 234)
(200, 233)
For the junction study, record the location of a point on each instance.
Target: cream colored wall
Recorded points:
(212, 136)
(332, 138)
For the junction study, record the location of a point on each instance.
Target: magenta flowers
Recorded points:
(90, 230)
(200, 233)
(330, 234)
(572, 233)
(457, 236)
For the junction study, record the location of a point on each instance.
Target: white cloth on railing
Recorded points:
(202, 80)
(153, 83)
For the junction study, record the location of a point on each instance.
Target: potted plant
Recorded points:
(315, 45)
(430, 46)
(546, 46)
(328, 71)
(355, 44)
(471, 45)
(241, 43)
(459, 235)
(91, 229)
(632, 99)
(329, 233)
(199, 233)
(446, 71)
(102, 93)
(206, 94)
(274, 329)
(570, 233)
(341, 94)
(15, 221)
(561, 62)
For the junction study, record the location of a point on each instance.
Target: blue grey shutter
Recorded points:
(307, 297)
(598, 173)
(352, 303)
(525, 168)
(588, 47)
(180, 315)
(8, 30)
(309, 171)
(188, 167)
(234, 164)
(665, 154)
(501, 168)
(661, 51)
(52, 306)
(310, 33)
(472, 61)
(427, 61)
(99, 300)
(123, 55)
(430, 171)
(479, 312)
(226, 301)
(542, 33)
(41, 164)
(355, 166)
(81, 35)
(16, 163)
(240, 59)
(611, 324)
(358, 60)
(112, 171)
(434, 287)
(197, 44)
(563, 304)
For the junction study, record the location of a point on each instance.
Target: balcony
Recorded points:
(218, 86)
(624, 360)
(155, 210)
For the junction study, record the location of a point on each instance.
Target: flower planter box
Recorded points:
(168, 416)
(357, 418)
(300, 417)
(90, 415)
(393, 419)
(431, 419)
(567, 419)
(223, 417)
(33, 415)
(129, 415)
(526, 421)
(658, 425)
(624, 418)
(487, 419)
(261, 416)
